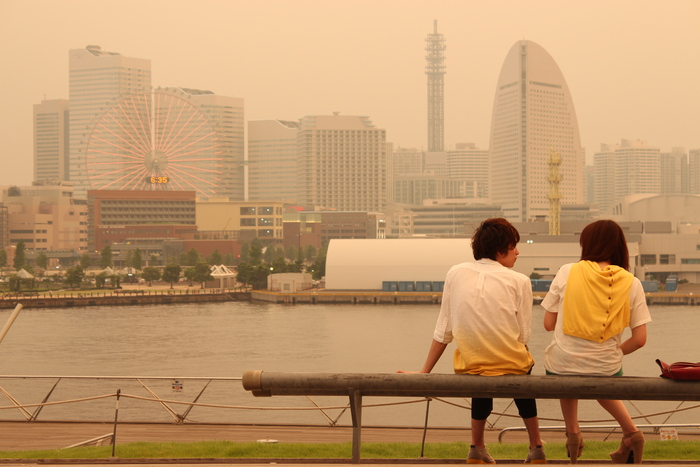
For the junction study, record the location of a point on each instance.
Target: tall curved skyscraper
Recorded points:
(533, 113)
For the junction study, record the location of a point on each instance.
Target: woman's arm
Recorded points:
(636, 341)
(550, 320)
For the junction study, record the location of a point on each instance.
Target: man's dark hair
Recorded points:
(604, 240)
(495, 235)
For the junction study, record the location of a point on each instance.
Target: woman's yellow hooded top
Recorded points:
(596, 303)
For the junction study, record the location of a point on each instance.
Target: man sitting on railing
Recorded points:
(487, 308)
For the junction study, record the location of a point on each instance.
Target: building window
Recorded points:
(667, 259)
(647, 259)
(690, 260)
(247, 211)
(247, 222)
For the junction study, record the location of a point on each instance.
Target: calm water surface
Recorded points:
(225, 340)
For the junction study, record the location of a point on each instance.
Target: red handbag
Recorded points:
(680, 371)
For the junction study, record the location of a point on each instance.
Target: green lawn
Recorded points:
(654, 450)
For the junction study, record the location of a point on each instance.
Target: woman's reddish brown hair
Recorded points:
(604, 240)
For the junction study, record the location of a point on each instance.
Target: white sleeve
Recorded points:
(525, 311)
(639, 311)
(443, 328)
(554, 299)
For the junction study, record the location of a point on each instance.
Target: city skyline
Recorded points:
(629, 65)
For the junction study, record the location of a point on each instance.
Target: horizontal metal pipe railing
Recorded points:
(132, 378)
(357, 385)
(264, 383)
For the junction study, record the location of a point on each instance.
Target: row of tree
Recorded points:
(199, 273)
(260, 265)
(255, 263)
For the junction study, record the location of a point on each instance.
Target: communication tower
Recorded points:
(435, 69)
(554, 195)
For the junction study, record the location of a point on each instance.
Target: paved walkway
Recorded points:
(56, 435)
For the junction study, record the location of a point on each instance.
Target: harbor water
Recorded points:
(226, 339)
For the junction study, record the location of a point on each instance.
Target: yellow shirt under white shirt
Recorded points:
(487, 309)
(569, 355)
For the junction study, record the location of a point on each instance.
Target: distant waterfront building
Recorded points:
(118, 216)
(413, 189)
(272, 160)
(51, 149)
(342, 163)
(632, 167)
(46, 217)
(97, 80)
(438, 217)
(244, 220)
(533, 112)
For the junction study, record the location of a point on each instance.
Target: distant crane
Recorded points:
(554, 195)
(226, 224)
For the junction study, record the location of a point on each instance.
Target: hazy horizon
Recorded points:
(631, 66)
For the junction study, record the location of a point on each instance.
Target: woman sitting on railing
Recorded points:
(597, 298)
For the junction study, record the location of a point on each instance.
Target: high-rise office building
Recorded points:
(51, 150)
(272, 160)
(97, 81)
(533, 113)
(470, 165)
(408, 161)
(674, 171)
(694, 172)
(629, 168)
(342, 163)
(225, 114)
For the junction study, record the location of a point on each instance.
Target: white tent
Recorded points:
(226, 277)
(22, 274)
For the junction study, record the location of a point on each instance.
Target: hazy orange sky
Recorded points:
(632, 66)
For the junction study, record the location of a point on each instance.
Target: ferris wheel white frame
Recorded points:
(157, 140)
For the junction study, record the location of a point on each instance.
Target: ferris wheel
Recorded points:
(154, 141)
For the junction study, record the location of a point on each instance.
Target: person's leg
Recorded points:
(481, 409)
(619, 412)
(569, 410)
(527, 408)
(478, 428)
(632, 439)
(574, 441)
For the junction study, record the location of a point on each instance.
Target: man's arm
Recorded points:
(434, 354)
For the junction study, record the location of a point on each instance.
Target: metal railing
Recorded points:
(223, 399)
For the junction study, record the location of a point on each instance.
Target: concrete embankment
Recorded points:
(344, 296)
(112, 299)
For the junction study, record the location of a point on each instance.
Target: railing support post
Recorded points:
(356, 412)
(425, 428)
(116, 417)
